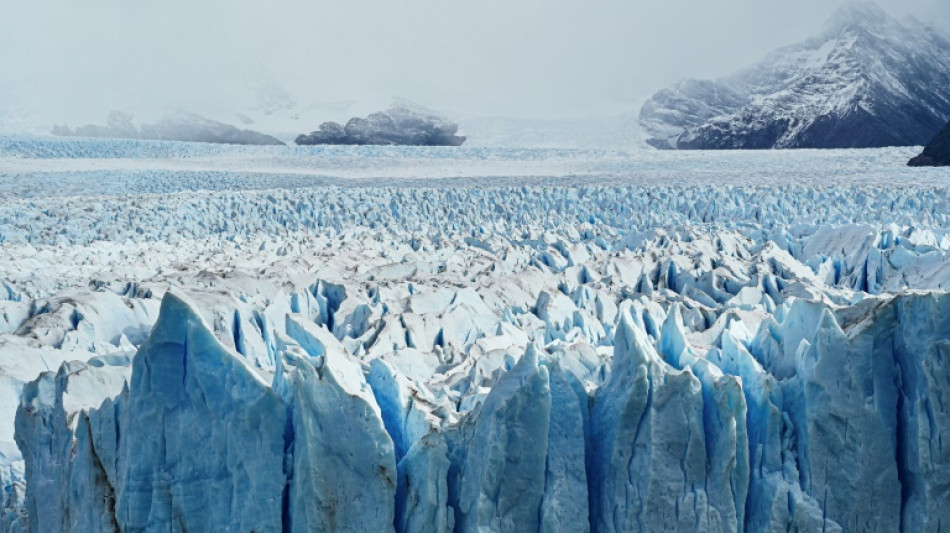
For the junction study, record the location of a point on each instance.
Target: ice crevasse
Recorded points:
(824, 419)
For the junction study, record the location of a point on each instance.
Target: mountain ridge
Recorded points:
(866, 80)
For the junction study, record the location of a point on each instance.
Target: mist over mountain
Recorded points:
(174, 126)
(285, 67)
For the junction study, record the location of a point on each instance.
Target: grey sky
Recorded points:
(73, 60)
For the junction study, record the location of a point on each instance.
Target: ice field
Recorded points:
(212, 338)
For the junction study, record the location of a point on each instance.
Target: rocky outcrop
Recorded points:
(936, 153)
(866, 81)
(175, 126)
(399, 125)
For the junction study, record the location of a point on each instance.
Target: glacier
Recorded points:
(488, 352)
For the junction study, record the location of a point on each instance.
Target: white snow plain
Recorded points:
(205, 338)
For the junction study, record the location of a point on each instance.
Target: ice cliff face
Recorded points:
(866, 81)
(193, 438)
(827, 418)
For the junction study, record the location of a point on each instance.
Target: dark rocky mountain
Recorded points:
(867, 80)
(399, 125)
(936, 153)
(175, 126)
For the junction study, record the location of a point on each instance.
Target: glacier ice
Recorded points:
(343, 463)
(654, 437)
(499, 456)
(514, 358)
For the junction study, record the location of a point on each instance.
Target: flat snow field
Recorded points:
(715, 341)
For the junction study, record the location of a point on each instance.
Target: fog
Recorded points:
(72, 61)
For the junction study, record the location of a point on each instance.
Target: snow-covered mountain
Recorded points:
(866, 80)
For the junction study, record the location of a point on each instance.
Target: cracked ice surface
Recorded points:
(489, 356)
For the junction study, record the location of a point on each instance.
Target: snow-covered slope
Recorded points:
(648, 356)
(866, 81)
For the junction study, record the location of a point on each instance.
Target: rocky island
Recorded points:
(400, 125)
(936, 153)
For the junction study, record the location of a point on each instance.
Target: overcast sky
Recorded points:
(75, 59)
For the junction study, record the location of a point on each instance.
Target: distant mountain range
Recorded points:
(174, 126)
(867, 80)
